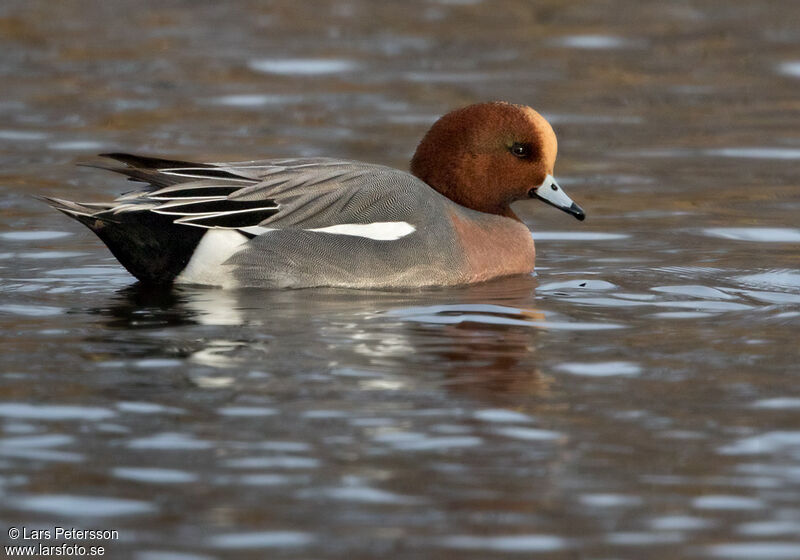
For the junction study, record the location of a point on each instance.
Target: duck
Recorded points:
(326, 222)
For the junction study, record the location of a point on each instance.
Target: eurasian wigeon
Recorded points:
(306, 222)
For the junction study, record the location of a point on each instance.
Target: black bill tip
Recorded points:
(576, 211)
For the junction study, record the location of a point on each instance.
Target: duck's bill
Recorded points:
(554, 195)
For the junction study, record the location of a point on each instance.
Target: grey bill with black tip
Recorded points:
(554, 195)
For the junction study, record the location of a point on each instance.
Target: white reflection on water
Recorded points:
(154, 475)
(769, 528)
(505, 543)
(726, 502)
(360, 494)
(636, 538)
(44, 455)
(416, 441)
(577, 236)
(756, 551)
(262, 539)
(31, 310)
(289, 462)
(528, 434)
(255, 100)
(262, 480)
(609, 500)
(303, 66)
(78, 145)
(703, 305)
(785, 279)
(501, 415)
(680, 523)
(22, 135)
(694, 291)
(247, 411)
(491, 315)
(600, 369)
(50, 254)
(594, 42)
(217, 353)
(147, 408)
(769, 442)
(760, 234)
(790, 69)
(681, 315)
(579, 284)
(50, 440)
(779, 403)
(772, 297)
(156, 363)
(33, 235)
(85, 506)
(54, 412)
(215, 307)
(35, 448)
(169, 442)
(756, 153)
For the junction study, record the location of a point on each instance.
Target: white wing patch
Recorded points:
(206, 265)
(380, 231)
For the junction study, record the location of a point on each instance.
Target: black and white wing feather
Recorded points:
(258, 196)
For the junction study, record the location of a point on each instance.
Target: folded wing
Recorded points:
(259, 196)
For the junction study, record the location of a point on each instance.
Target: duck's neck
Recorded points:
(509, 213)
(465, 198)
(443, 177)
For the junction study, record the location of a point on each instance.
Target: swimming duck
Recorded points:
(304, 222)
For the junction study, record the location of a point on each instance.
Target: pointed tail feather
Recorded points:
(85, 213)
(145, 162)
(150, 246)
(160, 173)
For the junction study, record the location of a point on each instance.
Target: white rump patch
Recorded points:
(381, 231)
(205, 267)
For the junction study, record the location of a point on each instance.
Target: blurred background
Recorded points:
(636, 399)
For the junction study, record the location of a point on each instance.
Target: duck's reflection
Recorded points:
(144, 307)
(480, 339)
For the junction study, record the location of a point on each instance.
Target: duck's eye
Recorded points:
(521, 150)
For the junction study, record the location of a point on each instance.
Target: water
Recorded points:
(636, 399)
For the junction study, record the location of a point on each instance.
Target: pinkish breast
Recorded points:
(494, 246)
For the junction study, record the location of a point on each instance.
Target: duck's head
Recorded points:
(488, 155)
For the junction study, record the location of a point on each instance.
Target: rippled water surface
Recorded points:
(637, 398)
